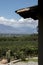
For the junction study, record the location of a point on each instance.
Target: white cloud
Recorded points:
(19, 23)
(29, 22)
(5, 21)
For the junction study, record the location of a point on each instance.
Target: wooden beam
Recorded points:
(28, 12)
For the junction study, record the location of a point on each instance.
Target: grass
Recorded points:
(31, 59)
(35, 60)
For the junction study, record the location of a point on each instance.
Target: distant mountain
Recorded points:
(4, 29)
(7, 29)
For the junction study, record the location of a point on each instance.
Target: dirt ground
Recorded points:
(22, 63)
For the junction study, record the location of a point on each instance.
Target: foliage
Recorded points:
(20, 46)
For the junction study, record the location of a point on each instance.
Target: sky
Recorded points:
(10, 18)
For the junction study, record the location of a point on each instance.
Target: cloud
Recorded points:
(22, 24)
(29, 22)
(7, 21)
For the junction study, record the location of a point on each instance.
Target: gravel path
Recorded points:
(23, 63)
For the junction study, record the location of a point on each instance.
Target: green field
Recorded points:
(23, 45)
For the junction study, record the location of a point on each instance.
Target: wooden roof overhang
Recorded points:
(28, 12)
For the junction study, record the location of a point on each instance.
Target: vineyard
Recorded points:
(20, 46)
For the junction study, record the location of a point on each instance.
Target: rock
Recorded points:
(4, 61)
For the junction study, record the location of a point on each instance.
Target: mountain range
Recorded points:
(5, 29)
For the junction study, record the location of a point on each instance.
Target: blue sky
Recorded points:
(8, 16)
(8, 7)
